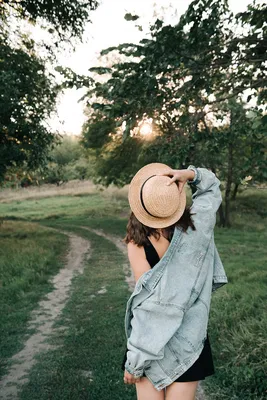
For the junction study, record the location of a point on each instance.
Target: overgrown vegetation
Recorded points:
(65, 162)
(65, 18)
(68, 161)
(199, 85)
(28, 89)
(29, 256)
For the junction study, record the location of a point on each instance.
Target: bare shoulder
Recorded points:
(134, 250)
(137, 258)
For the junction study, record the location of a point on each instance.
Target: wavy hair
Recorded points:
(138, 233)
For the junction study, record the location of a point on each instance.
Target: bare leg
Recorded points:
(146, 391)
(181, 391)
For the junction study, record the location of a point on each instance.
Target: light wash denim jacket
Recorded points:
(167, 314)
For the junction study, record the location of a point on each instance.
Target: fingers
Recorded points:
(168, 172)
(130, 379)
(174, 176)
(173, 179)
(127, 381)
(180, 186)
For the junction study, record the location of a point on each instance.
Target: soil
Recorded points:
(43, 318)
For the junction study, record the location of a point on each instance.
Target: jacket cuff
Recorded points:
(197, 177)
(136, 372)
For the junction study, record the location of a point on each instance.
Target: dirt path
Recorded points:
(130, 280)
(44, 317)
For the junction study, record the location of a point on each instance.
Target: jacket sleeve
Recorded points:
(207, 198)
(146, 341)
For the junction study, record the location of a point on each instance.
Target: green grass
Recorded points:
(238, 322)
(63, 207)
(94, 340)
(86, 365)
(29, 255)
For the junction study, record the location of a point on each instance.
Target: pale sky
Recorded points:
(109, 28)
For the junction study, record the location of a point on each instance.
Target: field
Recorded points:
(79, 335)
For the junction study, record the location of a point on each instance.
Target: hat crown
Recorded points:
(160, 200)
(150, 197)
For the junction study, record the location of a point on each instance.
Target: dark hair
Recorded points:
(138, 233)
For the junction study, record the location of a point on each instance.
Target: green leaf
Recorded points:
(101, 70)
(130, 17)
(264, 120)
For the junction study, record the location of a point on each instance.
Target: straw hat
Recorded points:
(153, 202)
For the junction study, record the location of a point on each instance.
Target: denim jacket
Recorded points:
(167, 314)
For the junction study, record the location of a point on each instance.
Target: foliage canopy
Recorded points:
(68, 16)
(27, 90)
(189, 79)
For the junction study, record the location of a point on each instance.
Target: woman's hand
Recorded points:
(181, 176)
(129, 378)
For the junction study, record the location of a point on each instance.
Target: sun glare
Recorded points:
(146, 128)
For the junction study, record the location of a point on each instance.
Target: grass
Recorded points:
(62, 207)
(87, 365)
(29, 255)
(238, 322)
(71, 188)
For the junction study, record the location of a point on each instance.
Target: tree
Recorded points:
(26, 101)
(65, 17)
(27, 90)
(234, 150)
(180, 77)
(68, 161)
(180, 70)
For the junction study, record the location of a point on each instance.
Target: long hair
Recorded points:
(138, 233)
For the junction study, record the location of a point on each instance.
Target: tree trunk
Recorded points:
(220, 210)
(221, 216)
(229, 180)
(235, 191)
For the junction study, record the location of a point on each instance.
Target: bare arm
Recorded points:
(138, 261)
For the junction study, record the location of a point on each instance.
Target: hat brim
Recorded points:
(135, 202)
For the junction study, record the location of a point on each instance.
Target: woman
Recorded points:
(159, 212)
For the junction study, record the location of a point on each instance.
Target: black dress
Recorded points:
(203, 366)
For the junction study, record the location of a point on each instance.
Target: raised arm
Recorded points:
(206, 199)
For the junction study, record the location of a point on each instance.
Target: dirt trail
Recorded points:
(43, 319)
(130, 280)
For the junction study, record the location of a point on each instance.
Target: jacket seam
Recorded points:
(188, 341)
(171, 349)
(160, 303)
(204, 303)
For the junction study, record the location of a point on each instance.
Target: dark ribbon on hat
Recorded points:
(141, 197)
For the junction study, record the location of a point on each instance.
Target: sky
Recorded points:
(109, 28)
